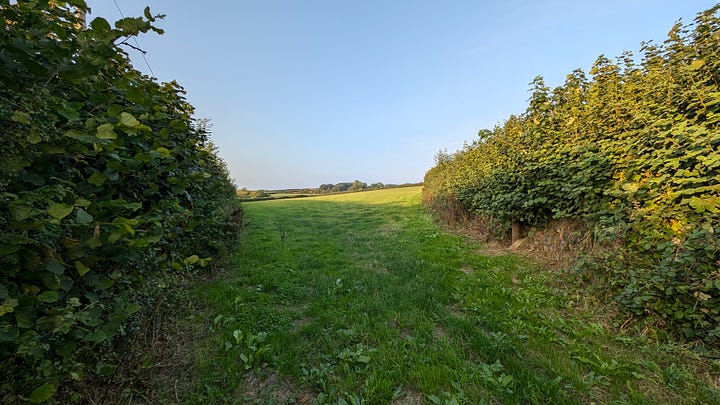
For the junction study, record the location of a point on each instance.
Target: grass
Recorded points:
(361, 298)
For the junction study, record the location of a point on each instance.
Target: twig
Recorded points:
(142, 51)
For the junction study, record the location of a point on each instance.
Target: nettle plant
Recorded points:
(106, 183)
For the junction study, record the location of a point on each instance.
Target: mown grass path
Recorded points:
(360, 298)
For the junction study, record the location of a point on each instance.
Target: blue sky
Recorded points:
(305, 92)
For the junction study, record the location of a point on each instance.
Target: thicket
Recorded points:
(106, 184)
(633, 151)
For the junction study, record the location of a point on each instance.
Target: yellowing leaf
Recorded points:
(81, 268)
(192, 259)
(8, 306)
(105, 131)
(21, 117)
(702, 296)
(697, 64)
(631, 187)
(34, 138)
(128, 120)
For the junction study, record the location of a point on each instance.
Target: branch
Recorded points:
(132, 46)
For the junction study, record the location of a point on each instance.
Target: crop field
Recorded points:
(361, 298)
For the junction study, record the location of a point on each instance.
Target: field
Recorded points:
(361, 298)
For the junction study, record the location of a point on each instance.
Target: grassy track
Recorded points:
(360, 298)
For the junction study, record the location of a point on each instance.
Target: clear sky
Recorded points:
(305, 92)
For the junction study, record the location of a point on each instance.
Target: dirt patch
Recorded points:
(299, 323)
(494, 249)
(409, 398)
(556, 246)
(439, 333)
(265, 388)
(389, 230)
(374, 265)
(467, 270)
(558, 243)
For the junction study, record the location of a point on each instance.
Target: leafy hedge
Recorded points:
(106, 182)
(633, 151)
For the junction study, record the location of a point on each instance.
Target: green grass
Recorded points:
(361, 298)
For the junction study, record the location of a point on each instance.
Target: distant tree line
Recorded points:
(358, 185)
(252, 195)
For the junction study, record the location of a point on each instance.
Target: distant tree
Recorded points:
(341, 187)
(325, 188)
(358, 185)
(377, 185)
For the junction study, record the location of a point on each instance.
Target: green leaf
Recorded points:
(82, 202)
(20, 211)
(68, 112)
(164, 152)
(82, 269)
(96, 337)
(8, 306)
(60, 211)
(701, 205)
(148, 15)
(631, 187)
(8, 333)
(105, 131)
(42, 393)
(53, 266)
(48, 296)
(34, 138)
(114, 237)
(106, 370)
(6, 249)
(191, 259)
(132, 26)
(101, 25)
(49, 322)
(129, 229)
(128, 120)
(132, 307)
(21, 117)
(51, 281)
(82, 217)
(97, 179)
(238, 335)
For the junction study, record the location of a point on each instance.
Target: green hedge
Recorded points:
(633, 151)
(106, 183)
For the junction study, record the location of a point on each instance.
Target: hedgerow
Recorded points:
(633, 152)
(106, 183)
